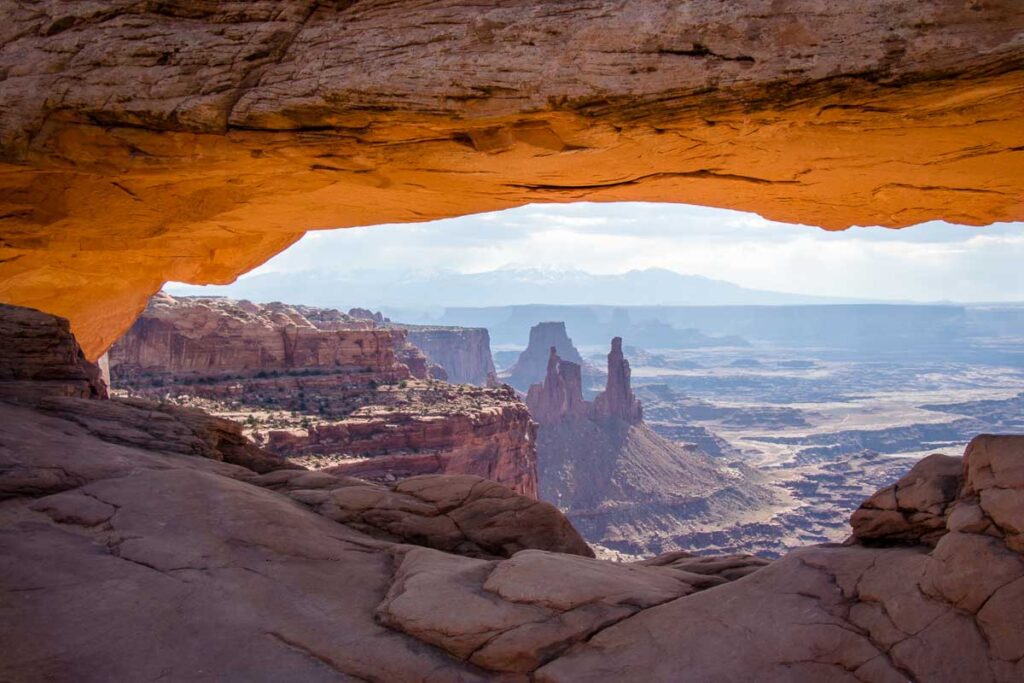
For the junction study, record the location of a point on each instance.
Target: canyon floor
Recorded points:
(823, 431)
(818, 433)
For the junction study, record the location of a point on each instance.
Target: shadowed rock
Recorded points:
(40, 357)
(914, 509)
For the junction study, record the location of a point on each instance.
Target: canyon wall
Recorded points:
(191, 141)
(460, 430)
(326, 389)
(463, 352)
(213, 336)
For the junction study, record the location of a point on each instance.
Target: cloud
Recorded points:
(933, 261)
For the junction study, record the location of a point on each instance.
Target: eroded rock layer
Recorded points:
(425, 428)
(326, 389)
(203, 570)
(463, 352)
(189, 337)
(629, 491)
(40, 357)
(190, 141)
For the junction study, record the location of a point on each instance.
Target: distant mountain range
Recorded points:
(504, 287)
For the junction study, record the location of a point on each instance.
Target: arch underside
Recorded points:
(145, 145)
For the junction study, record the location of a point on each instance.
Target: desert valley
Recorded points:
(734, 446)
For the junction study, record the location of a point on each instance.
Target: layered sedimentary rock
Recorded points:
(559, 396)
(327, 389)
(192, 336)
(40, 357)
(626, 488)
(412, 357)
(532, 365)
(42, 365)
(188, 141)
(202, 569)
(463, 352)
(428, 428)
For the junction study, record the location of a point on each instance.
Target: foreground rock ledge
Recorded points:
(146, 142)
(122, 560)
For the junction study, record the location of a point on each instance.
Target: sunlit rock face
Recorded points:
(146, 142)
(191, 337)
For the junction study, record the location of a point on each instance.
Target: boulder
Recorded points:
(40, 357)
(914, 509)
(460, 514)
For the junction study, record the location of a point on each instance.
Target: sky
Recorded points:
(930, 262)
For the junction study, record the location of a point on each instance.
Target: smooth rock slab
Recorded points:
(463, 514)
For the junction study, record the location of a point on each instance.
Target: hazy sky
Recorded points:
(933, 261)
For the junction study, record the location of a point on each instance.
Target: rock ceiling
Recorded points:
(192, 140)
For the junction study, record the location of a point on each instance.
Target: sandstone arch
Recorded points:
(191, 140)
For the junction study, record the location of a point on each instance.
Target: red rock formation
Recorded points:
(461, 514)
(560, 396)
(256, 120)
(40, 357)
(213, 336)
(411, 356)
(350, 397)
(625, 487)
(367, 314)
(915, 508)
(103, 524)
(463, 352)
(42, 364)
(617, 401)
(172, 429)
(531, 367)
(431, 429)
